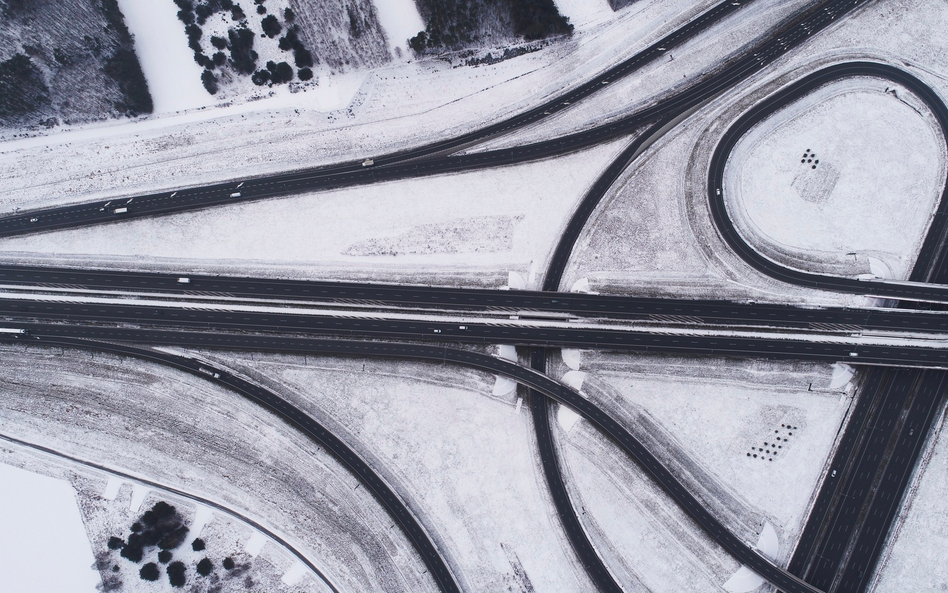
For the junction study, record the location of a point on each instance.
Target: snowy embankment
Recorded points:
(849, 174)
(186, 433)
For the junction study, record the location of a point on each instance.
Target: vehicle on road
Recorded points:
(209, 373)
(121, 210)
(10, 330)
(368, 163)
(34, 219)
(236, 194)
(184, 280)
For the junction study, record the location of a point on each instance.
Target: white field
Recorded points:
(35, 510)
(465, 459)
(705, 419)
(478, 224)
(188, 434)
(914, 556)
(879, 172)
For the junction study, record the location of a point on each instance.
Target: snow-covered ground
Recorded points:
(464, 458)
(750, 437)
(186, 433)
(480, 224)
(174, 78)
(40, 518)
(663, 211)
(914, 558)
(853, 171)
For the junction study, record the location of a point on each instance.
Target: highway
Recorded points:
(106, 338)
(739, 345)
(425, 161)
(935, 242)
(483, 301)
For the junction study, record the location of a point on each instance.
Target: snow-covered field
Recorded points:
(852, 171)
(389, 108)
(470, 228)
(187, 434)
(464, 458)
(750, 437)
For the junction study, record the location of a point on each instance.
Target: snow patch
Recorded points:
(139, 493)
(583, 13)
(255, 544)
(503, 386)
(842, 375)
(202, 517)
(33, 507)
(574, 379)
(581, 285)
(401, 21)
(112, 488)
(515, 281)
(295, 574)
(174, 79)
(507, 352)
(571, 357)
(566, 417)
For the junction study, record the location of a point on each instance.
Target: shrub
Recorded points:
(303, 58)
(124, 68)
(218, 42)
(164, 556)
(194, 33)
(149, 572)
(280, 73)
(237, 13)
(304, 74)
(132, 550)
(204, 567)
(176, 574)
(271, 26)
(419, 42)
(261, 9)
(260, 77)
(242, 56)
(184, 4)
(220, 58)
(198, 544)
(186, 17)
(228, 563)
(115, 543)
(288, 15)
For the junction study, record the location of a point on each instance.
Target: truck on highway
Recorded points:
(209, 373)
(14, 331)
(121, 210)
(236, 194)
(368, 163)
